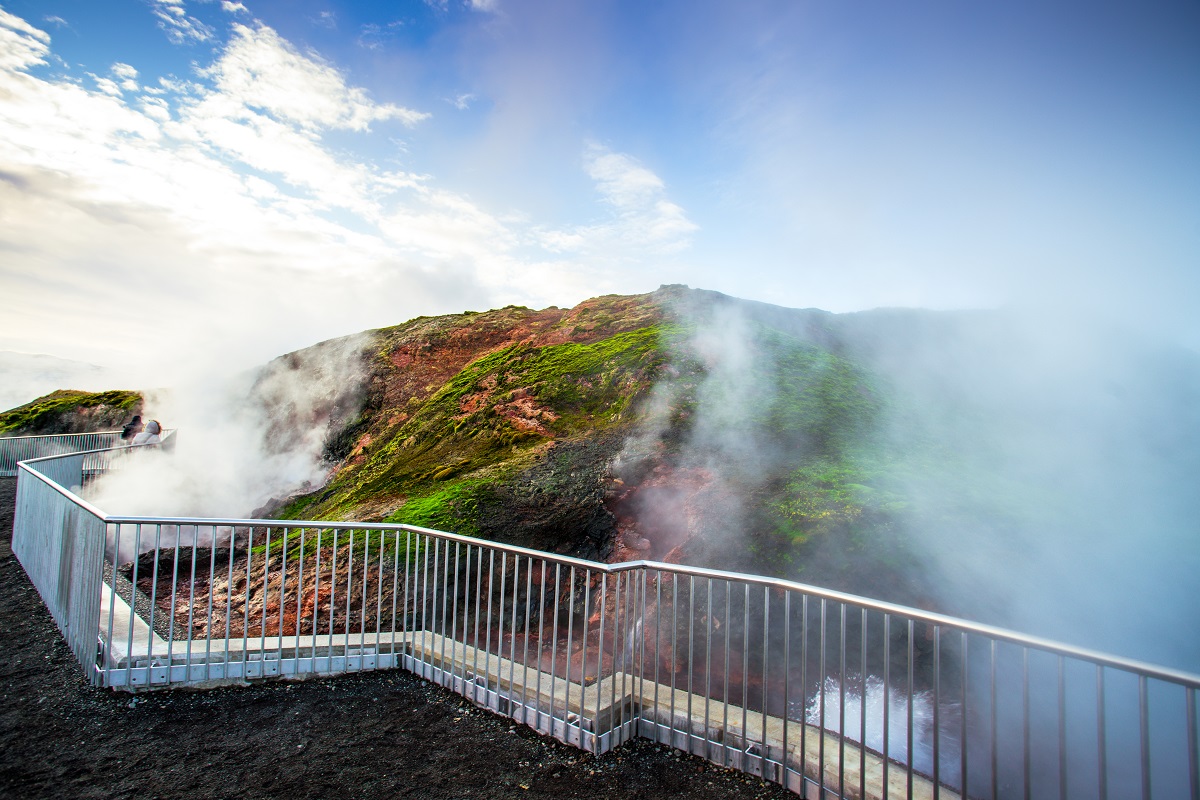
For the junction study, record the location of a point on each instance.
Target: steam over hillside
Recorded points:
(1033, 472)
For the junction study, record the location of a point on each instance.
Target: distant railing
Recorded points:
(14, 449)
(828, 694)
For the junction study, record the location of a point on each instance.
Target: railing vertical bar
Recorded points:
(691, 657)
(512, 647)
(766, 677)
(1144, 730)
(475, 632)
(154, 607)
(133, 579)
(245, 601)
(525, 650)
(862, 703)
(262, 643)
(842, 700)
(174, 599)
(623, 642)
(745, 674)
(995, 744)
(333, 559)
(909, 704)
(937, 702)
(349, 595)
(487, 629)
(299, 596)
(804, 693)
(429, 598)
(554, 641)
(628, 660)
(675, 653)
(1062, 731)
(887, 699)
(396, 660)
(603, 603)
(658, 642)
(500, 623)
(707, 665)
(192, 605)
(617, 640)
(787, 675)
(228, 599)
(409, 584)
(1101, 733)
(821, 701)
(567, 657)
(725, 693)
(282, 589)
(583, 655)
(468, 590)
(441, 585)
(212, 588)
(454, 615)
(964, 670)
(378, 597)
(641, 631)
(1189, 697)
(537, 693)
(316, 612)
(1025, 720)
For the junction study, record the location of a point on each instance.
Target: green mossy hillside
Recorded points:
(534, 378)
(71, 411)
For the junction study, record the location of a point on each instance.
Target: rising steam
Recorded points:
(245, 440)
(1031, 471)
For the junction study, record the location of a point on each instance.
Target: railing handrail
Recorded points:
(1099, 658)
(47, 435)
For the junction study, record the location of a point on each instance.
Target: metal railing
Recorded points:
(14, 449)
(828, 694)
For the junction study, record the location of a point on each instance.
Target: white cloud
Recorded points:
(643, 217)
(325, 19)
(107, 86)
(462, 101)
(219, 198)
(21, 44)
(490, 6)
(204, 199)
(233, 8)
(179, 27)
(260, 70)
(126, 76)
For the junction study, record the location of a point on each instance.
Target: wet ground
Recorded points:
(381, 734)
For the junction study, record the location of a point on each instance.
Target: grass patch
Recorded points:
(47, 412)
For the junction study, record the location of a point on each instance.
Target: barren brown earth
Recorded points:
(379, 734)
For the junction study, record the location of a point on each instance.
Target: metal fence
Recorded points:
(14, 449)
(828, 694)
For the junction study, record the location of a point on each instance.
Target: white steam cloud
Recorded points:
(1032, 471)
(242, 441)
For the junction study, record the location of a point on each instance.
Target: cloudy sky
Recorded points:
(189, 181)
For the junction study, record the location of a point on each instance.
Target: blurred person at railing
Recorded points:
(132, 428)
(150, 435)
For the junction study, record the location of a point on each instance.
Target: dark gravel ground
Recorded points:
(382, 734)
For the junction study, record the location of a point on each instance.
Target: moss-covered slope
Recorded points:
(71, 411)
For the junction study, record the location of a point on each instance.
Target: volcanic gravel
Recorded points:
(376, 734)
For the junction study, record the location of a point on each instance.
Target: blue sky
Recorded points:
(234, 180)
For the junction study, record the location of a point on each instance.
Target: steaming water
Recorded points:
(898, 704)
